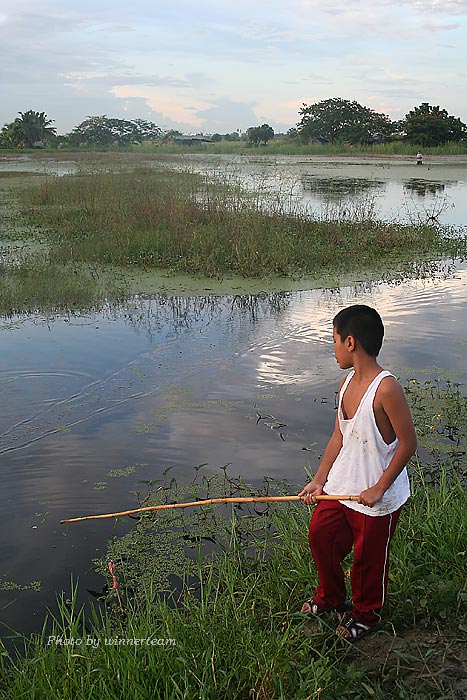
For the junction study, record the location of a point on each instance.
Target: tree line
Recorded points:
(341, 120)
(334, 120)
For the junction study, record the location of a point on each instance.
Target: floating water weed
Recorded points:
(53, 288)
(439, 410)
(118, 473)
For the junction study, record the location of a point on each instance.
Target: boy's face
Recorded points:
(341, 350)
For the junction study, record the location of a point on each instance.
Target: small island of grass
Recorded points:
(115, 231)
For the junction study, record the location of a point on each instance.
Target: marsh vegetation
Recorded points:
(96, 227)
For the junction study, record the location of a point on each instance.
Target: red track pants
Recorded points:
(334, 528)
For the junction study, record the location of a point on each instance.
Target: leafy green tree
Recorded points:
(431, 126)
(260, 134)
(215, 138)
(233, 136)
(143, 130)
(93, 131)
(105, 131)
(341, 120)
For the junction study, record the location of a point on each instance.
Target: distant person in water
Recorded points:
(419, 158)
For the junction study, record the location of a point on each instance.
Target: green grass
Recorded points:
(291, 147)
(328, 149)
(279, 146)
(185, 223)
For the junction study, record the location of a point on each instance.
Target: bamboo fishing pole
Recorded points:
(210, 501)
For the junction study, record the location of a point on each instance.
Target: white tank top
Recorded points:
(365, 455)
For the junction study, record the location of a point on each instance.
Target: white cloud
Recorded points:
(228, 115)
(435, 27)
(446, 7)
(231, 60)
(169, 106)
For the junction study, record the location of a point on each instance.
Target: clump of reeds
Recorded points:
(155, 218)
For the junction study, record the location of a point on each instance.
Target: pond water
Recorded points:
(96, 404)
(388, 188)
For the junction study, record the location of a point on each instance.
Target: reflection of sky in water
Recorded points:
(420, 315)
(411, 200)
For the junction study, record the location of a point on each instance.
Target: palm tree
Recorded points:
(31, 127)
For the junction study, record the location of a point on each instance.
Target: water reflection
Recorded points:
(96, 405)
(422, 188)
(339, 188)
(353, 199)
(152, 314)
(312, 183)
(170, 324)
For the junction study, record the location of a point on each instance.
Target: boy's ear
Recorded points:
(350, 343)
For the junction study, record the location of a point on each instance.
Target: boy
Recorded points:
(373, 440)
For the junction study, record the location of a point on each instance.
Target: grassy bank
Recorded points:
(184, 223)
(54, 288)
(235, 631)
(229, 626)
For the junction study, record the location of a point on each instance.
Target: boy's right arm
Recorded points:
(315, 487)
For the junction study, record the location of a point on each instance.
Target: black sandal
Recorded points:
(356, 630)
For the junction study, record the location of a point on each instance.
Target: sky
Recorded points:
(222, 66)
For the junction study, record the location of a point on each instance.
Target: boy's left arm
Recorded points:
(393, 402)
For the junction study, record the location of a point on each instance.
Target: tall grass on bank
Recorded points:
(53, 288)
(235, 632)
(291, 147)
(185, 223)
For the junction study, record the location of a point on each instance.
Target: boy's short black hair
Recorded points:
(364, 324)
